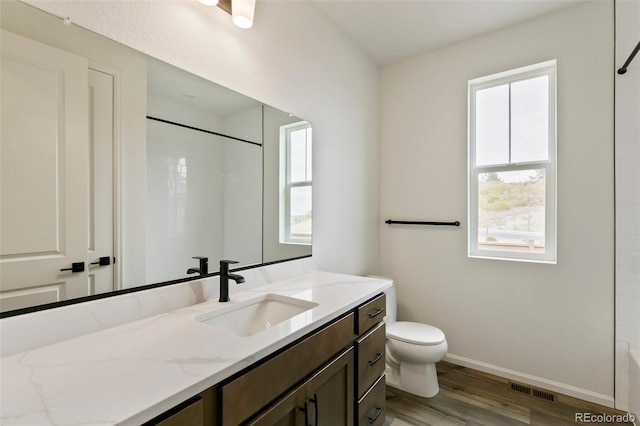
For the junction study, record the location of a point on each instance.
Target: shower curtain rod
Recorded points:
(161, 120)
(626, 64)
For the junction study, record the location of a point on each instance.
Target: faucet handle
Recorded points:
(204, 265)
(228, 262)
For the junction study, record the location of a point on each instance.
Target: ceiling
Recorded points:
(392, 30)
(175, 86)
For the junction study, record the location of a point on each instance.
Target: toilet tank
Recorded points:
(392, 305)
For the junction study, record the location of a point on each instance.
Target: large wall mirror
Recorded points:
(119, 170)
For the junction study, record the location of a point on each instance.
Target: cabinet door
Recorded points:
(256, 389)
(288, 411)
(326, 399)
(330, 393)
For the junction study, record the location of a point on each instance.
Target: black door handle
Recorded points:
(103, 261)
(75, 267)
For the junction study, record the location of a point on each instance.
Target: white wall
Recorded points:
(627, 205)
(546, 325)
(295, 60)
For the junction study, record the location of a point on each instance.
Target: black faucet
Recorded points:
(204, 266)
(224, 279)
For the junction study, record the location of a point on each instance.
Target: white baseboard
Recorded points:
(576, 392)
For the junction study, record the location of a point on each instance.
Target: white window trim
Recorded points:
(550, 256)
(286, 185)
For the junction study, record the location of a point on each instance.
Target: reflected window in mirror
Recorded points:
(296, 183)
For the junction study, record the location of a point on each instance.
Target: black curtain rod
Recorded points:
(201, 130)
(626, 64)
(408, 222)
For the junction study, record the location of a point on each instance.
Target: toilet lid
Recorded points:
(416, 333)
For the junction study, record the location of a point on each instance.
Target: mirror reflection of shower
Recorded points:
(190, 196)
(204, 174)
(177, 194)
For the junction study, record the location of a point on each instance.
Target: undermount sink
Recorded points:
(252, 316)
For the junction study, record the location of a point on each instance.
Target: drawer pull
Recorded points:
(378, 357)
(376, 313)
(379, 411)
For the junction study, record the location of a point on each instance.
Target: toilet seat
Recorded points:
(415, 333)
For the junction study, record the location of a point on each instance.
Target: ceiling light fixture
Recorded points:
(241, 11)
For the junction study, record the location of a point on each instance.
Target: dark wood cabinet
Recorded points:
(370, 362)
(290, 410)
(192, 415)
(197, 411)
(371, 406)
(257, 387)
(324, 399)
(370, 314)
(333, 376)
(329, 393)
(371, 358)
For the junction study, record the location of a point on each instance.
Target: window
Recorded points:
(295, 178)
(512, 161)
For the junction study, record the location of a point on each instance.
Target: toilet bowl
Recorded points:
(412, 351)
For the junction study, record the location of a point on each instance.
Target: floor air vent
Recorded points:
(536, 393)
(543, 395)
(517, 387)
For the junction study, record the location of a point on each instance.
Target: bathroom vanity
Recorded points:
(320, 360)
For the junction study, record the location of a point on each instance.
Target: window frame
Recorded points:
(548, 68)
(286, 184)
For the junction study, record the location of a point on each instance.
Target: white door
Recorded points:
(101, 137)
(43, 173)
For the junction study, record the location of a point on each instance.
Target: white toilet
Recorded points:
(412, 352)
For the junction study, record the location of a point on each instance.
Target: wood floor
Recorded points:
(472, 398)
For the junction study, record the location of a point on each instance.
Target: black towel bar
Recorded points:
(626, 64)
(409, 222)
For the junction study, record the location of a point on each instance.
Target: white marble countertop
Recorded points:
(131, 373)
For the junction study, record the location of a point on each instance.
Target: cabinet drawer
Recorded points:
(371, 313)
(371, 358)
(246, 395)
(371, 407)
